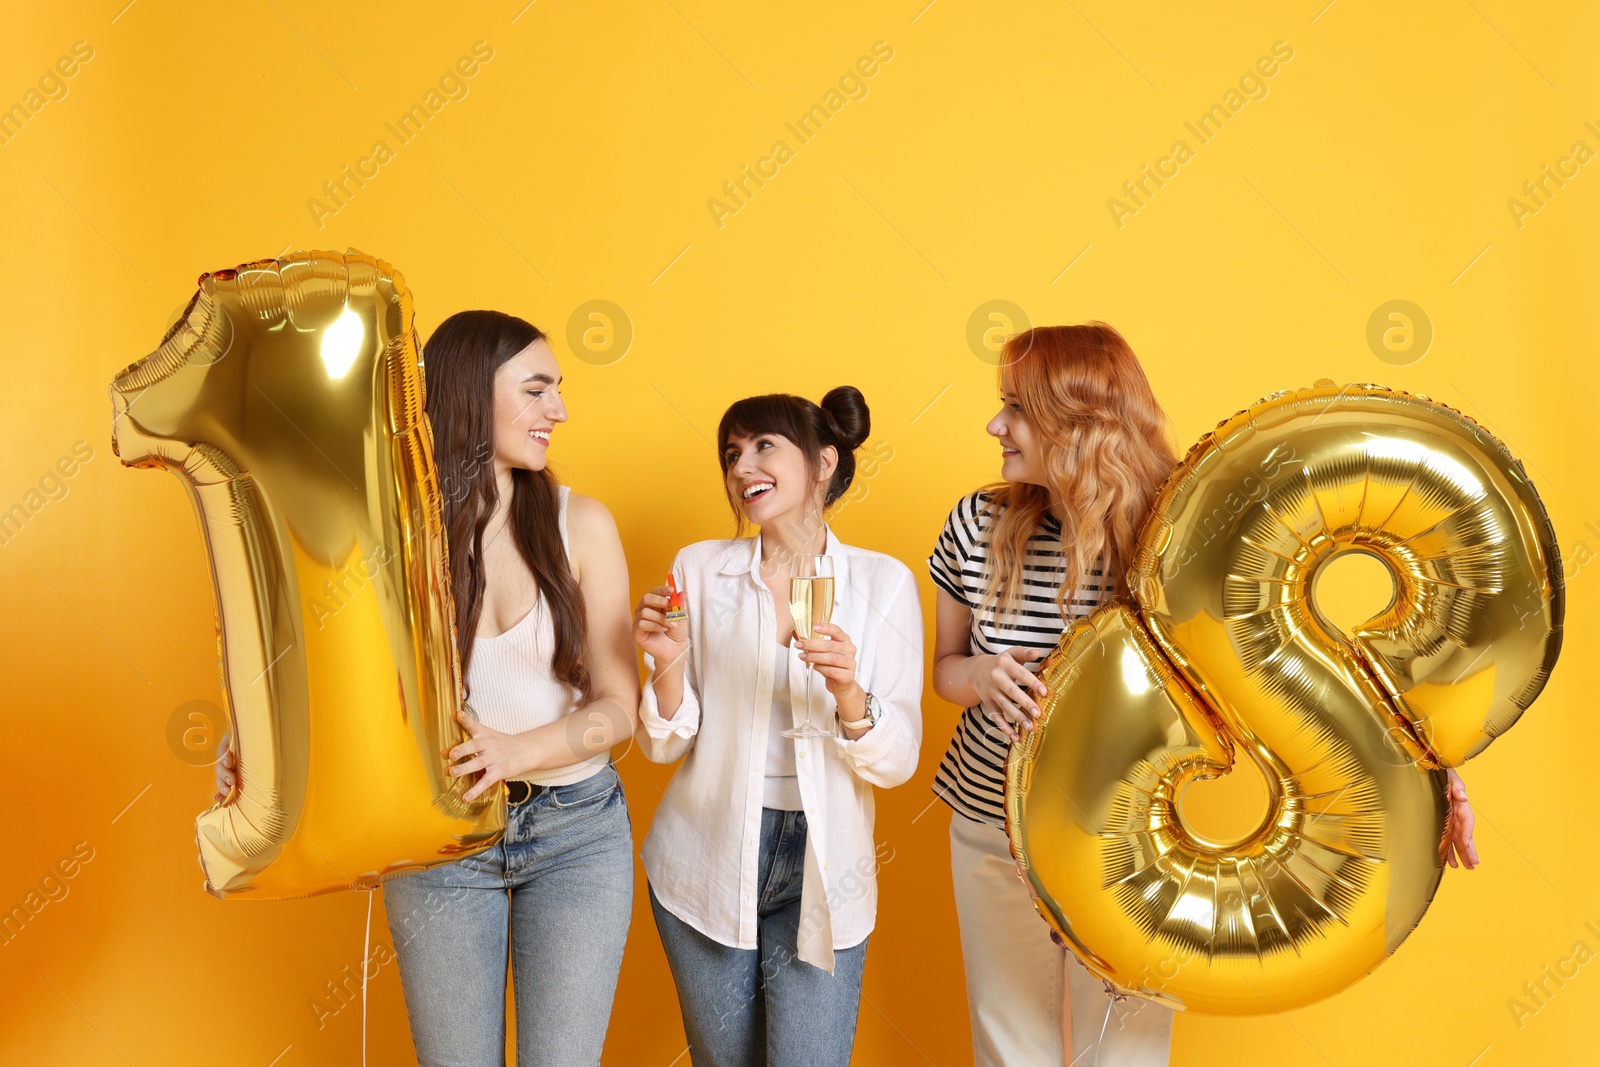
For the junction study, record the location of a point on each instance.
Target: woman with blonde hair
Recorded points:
(1083, 453)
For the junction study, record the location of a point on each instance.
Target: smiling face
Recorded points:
(768, 479)
(527, 406)
(1021, 450)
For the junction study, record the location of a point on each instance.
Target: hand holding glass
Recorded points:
(810, 603)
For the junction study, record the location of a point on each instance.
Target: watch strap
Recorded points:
(873, 715)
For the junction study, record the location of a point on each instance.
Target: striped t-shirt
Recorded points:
(972, 775)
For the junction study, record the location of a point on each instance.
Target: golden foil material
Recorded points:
(289, 400)
(1224, 656)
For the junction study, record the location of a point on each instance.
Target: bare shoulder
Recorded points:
(587, 517)
(592, 535)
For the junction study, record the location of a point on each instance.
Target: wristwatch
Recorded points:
(874, 713)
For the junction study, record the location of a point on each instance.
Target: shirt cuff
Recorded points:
(872, 746)
(686, 723)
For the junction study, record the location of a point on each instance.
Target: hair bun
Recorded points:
(847, 410)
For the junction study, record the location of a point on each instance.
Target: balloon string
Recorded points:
(366, 945)
(1098, 1045)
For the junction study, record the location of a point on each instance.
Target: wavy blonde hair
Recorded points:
(1088, 401)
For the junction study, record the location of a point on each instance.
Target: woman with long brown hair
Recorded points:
(543, 627)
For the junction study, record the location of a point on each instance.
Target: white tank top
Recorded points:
(511, 686)
(781, 788)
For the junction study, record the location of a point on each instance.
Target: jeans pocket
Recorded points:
(589, 792)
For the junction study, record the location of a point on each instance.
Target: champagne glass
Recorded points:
(810, 603)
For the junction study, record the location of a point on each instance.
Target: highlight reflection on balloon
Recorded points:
(1225, 658)
(288, 399)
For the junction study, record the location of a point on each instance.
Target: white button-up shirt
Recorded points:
(702, 853)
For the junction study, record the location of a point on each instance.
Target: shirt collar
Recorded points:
(744, 557)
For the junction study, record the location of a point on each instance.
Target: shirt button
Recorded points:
(802, 755)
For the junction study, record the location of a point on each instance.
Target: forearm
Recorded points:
(952, 679)
(668, 686)
(666, 731)
(597, 727)
(884, 755)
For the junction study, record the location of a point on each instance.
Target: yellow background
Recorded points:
(578, 167)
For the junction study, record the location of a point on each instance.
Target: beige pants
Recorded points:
(1016, 974)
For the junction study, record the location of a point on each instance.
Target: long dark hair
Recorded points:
(841, 420)
(459, 363)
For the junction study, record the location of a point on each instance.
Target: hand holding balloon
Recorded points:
(498, 755)
(1224, 661)
(225, 768)
(999, 680)
(289, 400)
(1457, 840)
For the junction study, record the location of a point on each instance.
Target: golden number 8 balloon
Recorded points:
(288, 398)
(1226, 657)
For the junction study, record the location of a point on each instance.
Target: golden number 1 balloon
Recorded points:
(1226, 658)
(288, 398)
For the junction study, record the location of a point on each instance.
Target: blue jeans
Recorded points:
(558, 892)
(764, 1007)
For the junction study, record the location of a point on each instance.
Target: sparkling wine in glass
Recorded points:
(810, 603)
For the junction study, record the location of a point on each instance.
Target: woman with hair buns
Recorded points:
(760, 858)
